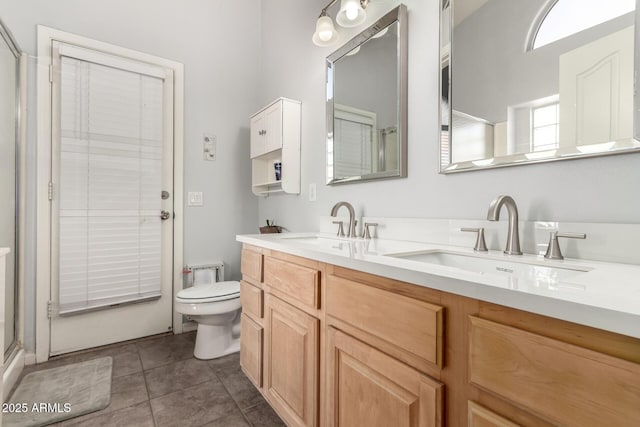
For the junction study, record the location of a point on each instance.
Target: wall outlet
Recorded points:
(194, 198)
(209, 146)
(312, 192)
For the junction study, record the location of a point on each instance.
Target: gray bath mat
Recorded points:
(52, 395)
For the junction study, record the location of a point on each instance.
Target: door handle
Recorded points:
(164, 215)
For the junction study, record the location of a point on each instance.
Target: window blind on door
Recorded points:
(111, 123)
(353, 153)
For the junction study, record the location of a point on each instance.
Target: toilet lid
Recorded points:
(213, 292)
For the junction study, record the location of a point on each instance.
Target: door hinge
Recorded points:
(50, 73)
(49, 309)
(50, 190)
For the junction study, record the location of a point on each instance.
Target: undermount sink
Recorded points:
(493, 266)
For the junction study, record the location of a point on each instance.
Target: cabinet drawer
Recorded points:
(251, 265)
(293, 281)
(413, 325)
(479, 416)
(251, 346)
(561, 382)
(251, 298)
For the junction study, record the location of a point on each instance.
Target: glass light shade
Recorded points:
(380, 34)
(351, 14)
(325, 34)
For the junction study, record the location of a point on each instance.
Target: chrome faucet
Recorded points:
(351, 232)
(513, 236)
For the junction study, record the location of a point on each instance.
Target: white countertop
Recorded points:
(600, 294)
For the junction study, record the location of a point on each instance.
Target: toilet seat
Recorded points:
(220, 291)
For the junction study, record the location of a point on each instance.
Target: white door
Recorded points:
(596, 91)
(112, 180)
(257, 137)
(273, 117)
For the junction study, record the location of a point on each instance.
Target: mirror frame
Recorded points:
(13, 46)
(444, 116)
(399, 16)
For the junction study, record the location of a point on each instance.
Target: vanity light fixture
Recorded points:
(351, 14)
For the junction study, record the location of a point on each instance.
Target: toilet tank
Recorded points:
(203, 274)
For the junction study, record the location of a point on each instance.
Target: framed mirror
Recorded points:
(528, 81)
(367, 103)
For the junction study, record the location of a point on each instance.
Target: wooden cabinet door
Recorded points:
(291, 362)
(273, 119)
(258, 127)
(368, 388)
(251, 349)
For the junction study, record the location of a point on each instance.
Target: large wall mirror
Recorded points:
(367, 103)
(527, 81)
(9, 155)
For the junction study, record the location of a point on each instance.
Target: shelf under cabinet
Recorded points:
(266, 188)
(281, 118)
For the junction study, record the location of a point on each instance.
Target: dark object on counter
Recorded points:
(271, 228)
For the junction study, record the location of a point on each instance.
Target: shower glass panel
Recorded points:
(8, 177)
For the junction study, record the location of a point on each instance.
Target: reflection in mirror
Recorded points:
(526, 81)
(366, 103)
(9, 107)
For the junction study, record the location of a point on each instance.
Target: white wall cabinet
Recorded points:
(275, 137)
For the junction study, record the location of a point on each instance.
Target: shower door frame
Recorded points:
(20, 179)
(46, 36)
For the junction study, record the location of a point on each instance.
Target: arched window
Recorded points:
(567, 17)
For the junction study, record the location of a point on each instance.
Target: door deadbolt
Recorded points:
(164, 215)
(165, 195)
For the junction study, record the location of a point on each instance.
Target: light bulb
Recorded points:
(351, 14)
(351, 11)
(325, 35)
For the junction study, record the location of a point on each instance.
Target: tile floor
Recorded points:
(158, 382)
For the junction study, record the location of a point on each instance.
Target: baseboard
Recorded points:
(189, 326)
(30, 359)
(12, 373)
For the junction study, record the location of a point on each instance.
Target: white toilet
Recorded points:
(216, 308)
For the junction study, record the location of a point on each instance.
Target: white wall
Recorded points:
(218, 42)
(595, 190)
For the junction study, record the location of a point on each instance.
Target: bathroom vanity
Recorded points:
(337, 333)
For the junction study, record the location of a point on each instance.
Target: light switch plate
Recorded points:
(194, 198)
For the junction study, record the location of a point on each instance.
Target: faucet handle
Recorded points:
(367, 234)
(553, 250)
(480, 245)
(340, 228)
